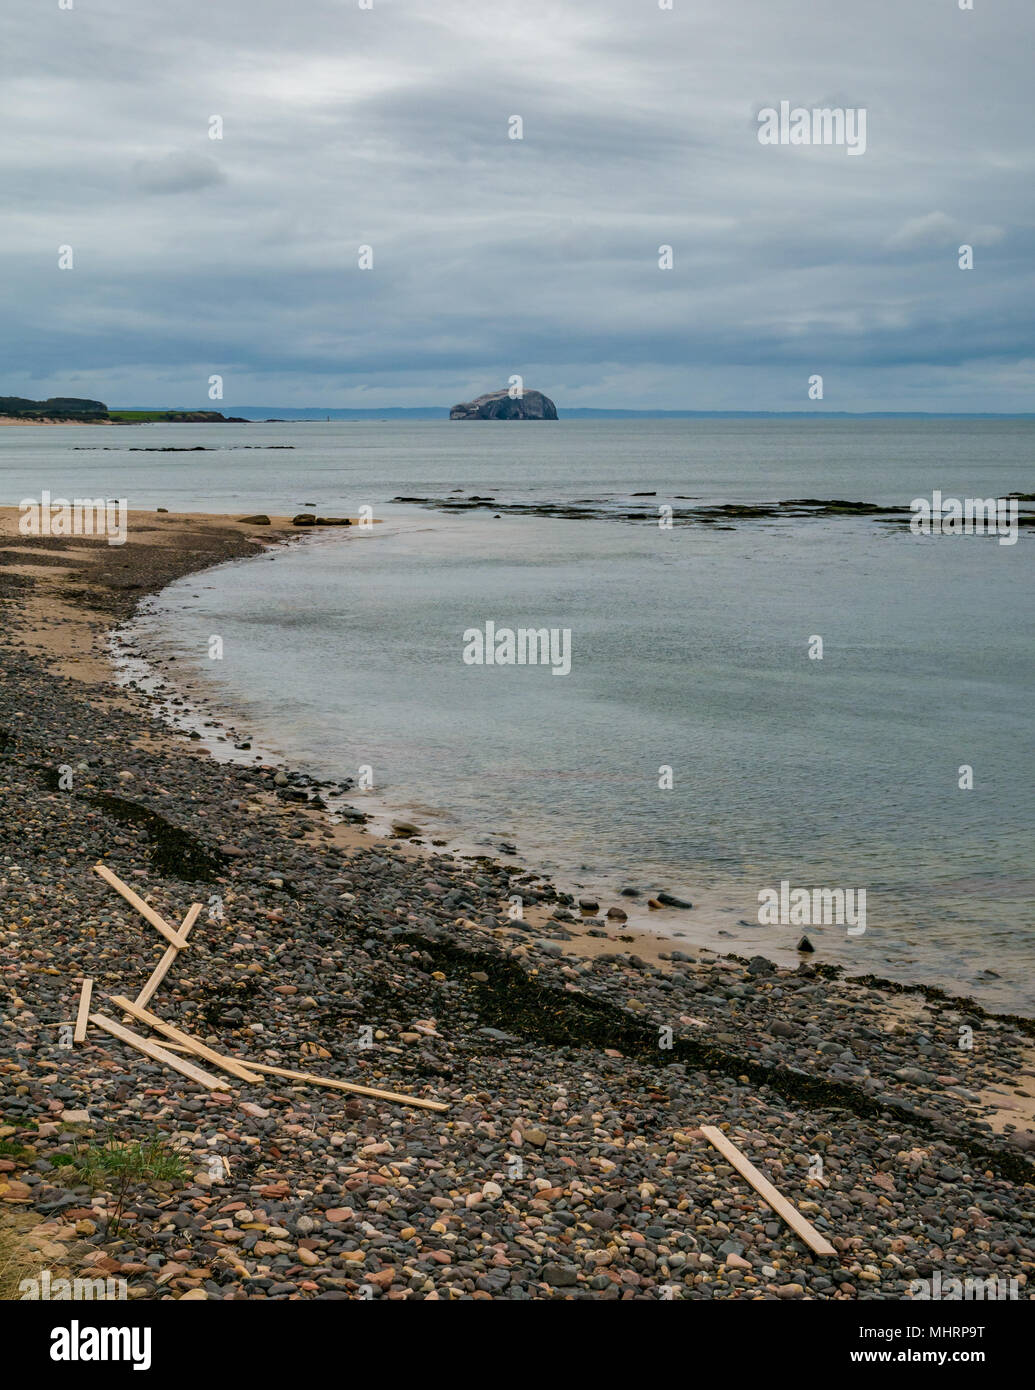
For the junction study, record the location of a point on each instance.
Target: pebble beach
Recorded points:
(577, 1064)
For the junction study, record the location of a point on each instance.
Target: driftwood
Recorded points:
(84, 1010)
(337, 1085)
(162, 968)
(145, 910)
(182, 1042)
(158, 1054)
(768, 1192)
(185, 1040)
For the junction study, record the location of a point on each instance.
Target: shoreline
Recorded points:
(722, 922)
(199, 715)
(466, 1006)
(18, 420)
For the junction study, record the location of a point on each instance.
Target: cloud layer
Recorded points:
(388, 127)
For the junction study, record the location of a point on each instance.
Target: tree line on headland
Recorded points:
(79, 410)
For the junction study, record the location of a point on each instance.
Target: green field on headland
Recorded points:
(68, 410)
(169, 417)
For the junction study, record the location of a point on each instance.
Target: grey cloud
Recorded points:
(388, 127)
(177, 172)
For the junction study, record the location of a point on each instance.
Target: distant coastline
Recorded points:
(68, 410)
(321, 415)
(47, 420)
(76, 410)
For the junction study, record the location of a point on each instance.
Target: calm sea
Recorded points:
(690, 651)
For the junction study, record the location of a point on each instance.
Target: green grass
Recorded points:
(115, 1166)
(18, 1152)
(138, 415)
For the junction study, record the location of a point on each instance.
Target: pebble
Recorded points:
(570, 1161)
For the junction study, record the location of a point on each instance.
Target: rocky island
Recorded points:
(500, 405)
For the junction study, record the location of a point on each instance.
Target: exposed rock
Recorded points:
(500, 405)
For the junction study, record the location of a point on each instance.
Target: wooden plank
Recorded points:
(159, 1054)
(146, 911)
(161, 969)
(185, 1040)
(84, 1009)
(340, 1085)
(768, 1192)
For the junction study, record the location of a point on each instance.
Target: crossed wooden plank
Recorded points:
(183, 1042)
(178, 940)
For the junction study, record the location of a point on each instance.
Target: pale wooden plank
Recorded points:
(159, 1054)
(162, 968)
(136, 901)
(768, 1192)
(84, 1009)
(185, 1040)
(340, 1085)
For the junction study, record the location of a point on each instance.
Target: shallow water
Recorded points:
(689, 651)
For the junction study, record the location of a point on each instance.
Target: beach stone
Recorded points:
(570, 1140)
(782, 1029)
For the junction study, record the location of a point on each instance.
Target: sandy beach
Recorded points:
(577, 1069)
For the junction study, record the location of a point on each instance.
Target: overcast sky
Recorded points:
(388, 127)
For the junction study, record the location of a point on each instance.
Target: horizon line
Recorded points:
(219, 408)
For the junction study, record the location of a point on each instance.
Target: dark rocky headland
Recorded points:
(75, 410)
(570, 1163)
